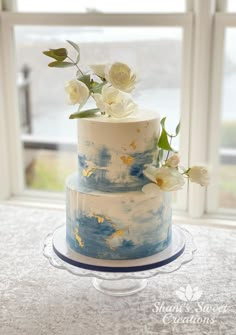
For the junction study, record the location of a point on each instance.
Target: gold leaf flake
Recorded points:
(133, 145)
(78, 238)
(128, 160)
(99, 218)
(88, 172)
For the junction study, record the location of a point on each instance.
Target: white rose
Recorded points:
(98, 69)
(173, 161)
(120, 76)
(77, 92)
(199, 175)
(167, 179)
(114, 103)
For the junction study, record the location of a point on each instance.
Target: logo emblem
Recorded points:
(189, 294)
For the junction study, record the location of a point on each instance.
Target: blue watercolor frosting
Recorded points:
(95, 172)
(95, 236)
(103, 157)
(82, 161)
(116, 226)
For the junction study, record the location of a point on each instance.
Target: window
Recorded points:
(158, 90)
(231, 6)
(179, 81)
(221, 194)
(227, 180)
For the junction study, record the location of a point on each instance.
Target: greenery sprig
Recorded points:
(61, 57)
(165, 141)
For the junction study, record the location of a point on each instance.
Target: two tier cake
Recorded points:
(119, 201)
(108, 215)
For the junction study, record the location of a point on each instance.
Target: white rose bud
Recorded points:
(199, 175)
(114, 102)
(77, 92)
(98, 69)
(167, 179)
(120, 76)
(173, 161)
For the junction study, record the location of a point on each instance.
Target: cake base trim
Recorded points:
(172, 252)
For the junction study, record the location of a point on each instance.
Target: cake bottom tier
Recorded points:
(116, 225)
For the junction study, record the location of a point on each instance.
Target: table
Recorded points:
(37, 299)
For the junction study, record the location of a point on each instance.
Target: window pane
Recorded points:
(228, 128)
(231, 4)
(104, 6)
(49, 136)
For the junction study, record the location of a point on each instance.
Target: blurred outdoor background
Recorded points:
(49, 137)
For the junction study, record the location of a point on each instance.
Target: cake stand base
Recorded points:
(121, 287)
(120, 277)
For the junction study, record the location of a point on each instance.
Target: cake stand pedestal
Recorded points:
(119, 277)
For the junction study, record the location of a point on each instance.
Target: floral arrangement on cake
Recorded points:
(109, 85)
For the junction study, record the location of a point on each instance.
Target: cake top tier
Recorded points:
(140, 116)
(112, 153)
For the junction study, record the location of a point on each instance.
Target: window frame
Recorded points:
(10, 19)
(222, 21)
(200, 14)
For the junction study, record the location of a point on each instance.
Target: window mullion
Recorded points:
(204, 13)
(4, 150)
(9, 5)
(215, 111)
(221, 5)
(12, 128)
(182, 196)
(189, 5)
(97, 19)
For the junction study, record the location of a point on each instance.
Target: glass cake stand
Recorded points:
(119, 277)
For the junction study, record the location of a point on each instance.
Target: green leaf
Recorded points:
(58, 54)
(87, 113)
(60, 64)
(163, 122)
(60, 51)
(163, 142)
(97, 88)
(78, 74)
(76, 47)
(86, 80)
(177, 129)
(187, 171)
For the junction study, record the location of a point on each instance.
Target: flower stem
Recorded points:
(168, 153)
(90, 90)
(76, 65)
(187, 171)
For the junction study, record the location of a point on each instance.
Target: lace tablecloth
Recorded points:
(37, 299)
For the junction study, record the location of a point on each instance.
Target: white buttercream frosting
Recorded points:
(112, 152)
